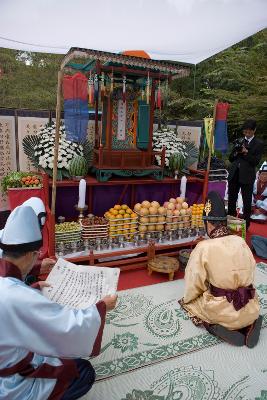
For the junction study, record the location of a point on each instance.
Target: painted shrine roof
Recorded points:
(117, 59)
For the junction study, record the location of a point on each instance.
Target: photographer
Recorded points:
(245, 156)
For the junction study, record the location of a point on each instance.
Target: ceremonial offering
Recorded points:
(151, 215)
(68, 232)
(178, 214)
(122, 221)
(197, 213)
(79, 286)
(22, 180)
(94, 227)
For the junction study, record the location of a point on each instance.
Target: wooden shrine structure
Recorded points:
(125, 85)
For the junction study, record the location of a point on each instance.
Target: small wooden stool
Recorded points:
(164, 264)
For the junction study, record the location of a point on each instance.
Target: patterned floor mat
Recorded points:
(223, 372)
(148, 326)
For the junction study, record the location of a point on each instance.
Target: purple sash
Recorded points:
(240, 297)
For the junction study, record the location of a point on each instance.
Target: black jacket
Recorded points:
(245, 165)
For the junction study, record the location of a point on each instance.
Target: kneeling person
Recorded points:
(219, 277)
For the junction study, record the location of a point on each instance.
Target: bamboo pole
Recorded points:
(56, 144)
(206, 179)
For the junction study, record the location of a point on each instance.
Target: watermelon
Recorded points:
(78, 166)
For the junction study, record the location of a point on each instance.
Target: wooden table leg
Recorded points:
(171, 275)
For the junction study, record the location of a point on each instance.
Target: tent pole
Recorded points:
(58, 115)
(206, 179)
(194, 90)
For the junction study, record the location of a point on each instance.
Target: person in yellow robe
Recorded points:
(219, 277)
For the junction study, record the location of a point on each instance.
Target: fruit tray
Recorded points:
(99, 228)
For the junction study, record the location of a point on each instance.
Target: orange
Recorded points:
(129, 211)
(117, 207)
(133, 215)
(124, 207)
(122, 212)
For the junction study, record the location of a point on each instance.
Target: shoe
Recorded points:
(232, 337)
(253, 333)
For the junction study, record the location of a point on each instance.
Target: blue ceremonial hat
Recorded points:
(214, 209)
(22, 231)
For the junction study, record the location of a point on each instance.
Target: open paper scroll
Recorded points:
(79, 286)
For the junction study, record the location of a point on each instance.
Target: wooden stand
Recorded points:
(141, 258)
(163, 264)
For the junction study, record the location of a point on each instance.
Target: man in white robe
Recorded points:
(259, 204)
(42, 265)
(41, 342)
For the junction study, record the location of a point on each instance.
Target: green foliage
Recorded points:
(12, 180)
(177, 162)
(237, 75)
(29, 80)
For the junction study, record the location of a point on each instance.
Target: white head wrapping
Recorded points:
(22, 231)
(38, 207)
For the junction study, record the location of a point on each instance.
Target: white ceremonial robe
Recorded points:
(259, 203)
(32, 323)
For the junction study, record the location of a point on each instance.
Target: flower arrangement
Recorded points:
(40, 150)
(175, 146)
(168, 139)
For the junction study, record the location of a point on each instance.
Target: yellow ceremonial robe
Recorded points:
(226, 263)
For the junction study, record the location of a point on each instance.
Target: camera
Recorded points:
(238, 144)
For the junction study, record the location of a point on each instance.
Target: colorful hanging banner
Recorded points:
(76, 112)
(221, 134)
(208, 126)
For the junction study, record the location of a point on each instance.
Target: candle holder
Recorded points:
(81, 211)
(170, 234)
(98, 244)
(121, 242)
(160, 237)
(61, 248)
(61, 219)
(110, 243)
(86, 245)
(73, 246)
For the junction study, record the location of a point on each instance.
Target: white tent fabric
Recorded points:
(180, 30)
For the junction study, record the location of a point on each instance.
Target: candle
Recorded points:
(82, 191)
(226, 191)
(183, 187)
